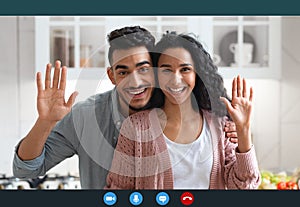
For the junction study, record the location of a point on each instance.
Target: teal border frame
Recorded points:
(153, 7)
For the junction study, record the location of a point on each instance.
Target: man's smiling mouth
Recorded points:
(137, 91)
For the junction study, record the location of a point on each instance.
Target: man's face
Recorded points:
(133, 75)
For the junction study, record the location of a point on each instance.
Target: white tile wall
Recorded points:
(18, 90)
(265, 122)
(9, 110)
(290, 95)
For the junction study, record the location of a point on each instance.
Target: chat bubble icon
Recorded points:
(162, 198)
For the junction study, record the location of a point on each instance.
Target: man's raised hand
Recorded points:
(51, 102)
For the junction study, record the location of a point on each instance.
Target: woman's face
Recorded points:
(176, 74)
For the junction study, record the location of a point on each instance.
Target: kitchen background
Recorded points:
(271, 64)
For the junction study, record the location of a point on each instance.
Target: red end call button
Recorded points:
(187, 198)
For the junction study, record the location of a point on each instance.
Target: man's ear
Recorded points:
(110, 74)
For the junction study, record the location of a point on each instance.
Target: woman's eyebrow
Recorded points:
(165, 65)
(181, 65)
(185, 64)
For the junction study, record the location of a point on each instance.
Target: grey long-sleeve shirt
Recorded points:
(91, 131)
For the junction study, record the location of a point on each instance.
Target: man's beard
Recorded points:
(134, 108)
(156, 101)
(147, 106)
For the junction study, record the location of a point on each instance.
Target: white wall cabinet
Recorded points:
(80, 42)
(247, 45)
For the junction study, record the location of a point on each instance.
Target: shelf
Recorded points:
(88, 41)
(249, 73)
(247, 40)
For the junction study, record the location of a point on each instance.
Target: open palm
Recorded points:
(240, 108)
(51, 103)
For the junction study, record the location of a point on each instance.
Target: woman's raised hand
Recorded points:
(240, 107)
(240, 110)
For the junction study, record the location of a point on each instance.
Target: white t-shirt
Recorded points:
(192, 163)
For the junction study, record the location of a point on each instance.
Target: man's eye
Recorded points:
(143, 70)
(166, 70)
(122, 73)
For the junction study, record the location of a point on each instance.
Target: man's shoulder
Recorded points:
(96, 99)
(101, 102)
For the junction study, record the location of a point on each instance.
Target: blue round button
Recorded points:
(110, 198)
(136, 198)
(162, 198)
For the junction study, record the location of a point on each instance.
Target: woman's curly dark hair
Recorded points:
(209, 85)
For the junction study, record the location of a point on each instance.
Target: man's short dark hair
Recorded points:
(129, 37)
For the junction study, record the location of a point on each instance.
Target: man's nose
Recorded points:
(134, 80)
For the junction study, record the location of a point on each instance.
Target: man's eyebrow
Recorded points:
(165, 65)
(142, 63)
(136, 65)
(121, 67)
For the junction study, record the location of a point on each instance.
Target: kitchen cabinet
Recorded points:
(247, 45)
(80, 42)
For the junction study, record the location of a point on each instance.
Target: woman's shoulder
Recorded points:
(210, 116)
(140, 115)
(145, 117)
(144, 123)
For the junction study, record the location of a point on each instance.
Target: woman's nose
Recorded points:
(177, 78)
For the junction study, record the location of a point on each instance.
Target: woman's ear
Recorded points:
(110, 74)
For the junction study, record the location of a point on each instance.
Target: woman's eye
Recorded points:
(186, 69)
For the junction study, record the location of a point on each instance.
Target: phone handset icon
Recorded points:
(187, 198)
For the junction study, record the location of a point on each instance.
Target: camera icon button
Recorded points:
(110, 198)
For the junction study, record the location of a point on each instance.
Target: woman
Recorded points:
(182, 145)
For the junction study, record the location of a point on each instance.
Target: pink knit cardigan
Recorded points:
(141, 159)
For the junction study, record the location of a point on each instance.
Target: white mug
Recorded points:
(246, 56)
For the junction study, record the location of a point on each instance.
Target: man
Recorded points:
(89, 129)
